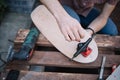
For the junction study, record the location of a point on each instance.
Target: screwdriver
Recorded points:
(102, 68)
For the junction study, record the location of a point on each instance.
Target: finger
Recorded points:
(77, 36)
(71, 35)
(81, 33)
(66, 35)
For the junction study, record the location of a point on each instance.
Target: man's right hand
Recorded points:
(71, 29)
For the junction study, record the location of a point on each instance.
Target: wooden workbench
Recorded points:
(47, 55)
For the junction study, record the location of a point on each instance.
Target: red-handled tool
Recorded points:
(114, 67)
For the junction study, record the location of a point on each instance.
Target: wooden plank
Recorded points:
(107, 41)
(22, 33)
(103, 41)
(32, 75)
(18, 67)
(55, 76)
(47, 58)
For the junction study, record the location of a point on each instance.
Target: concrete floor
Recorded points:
(9, 26)
(11, 23)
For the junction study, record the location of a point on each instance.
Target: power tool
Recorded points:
(26, 50)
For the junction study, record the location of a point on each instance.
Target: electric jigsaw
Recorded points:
(26, 50)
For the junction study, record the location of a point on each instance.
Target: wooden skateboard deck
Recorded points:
(48, 26)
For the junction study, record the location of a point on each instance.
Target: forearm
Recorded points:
(101, 20)
(98, 23)
(55, 8)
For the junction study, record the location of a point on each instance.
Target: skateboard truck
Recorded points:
(82, 48)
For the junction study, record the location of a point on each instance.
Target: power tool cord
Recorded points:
(4, 62)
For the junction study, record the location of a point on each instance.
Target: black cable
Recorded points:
(3, 61)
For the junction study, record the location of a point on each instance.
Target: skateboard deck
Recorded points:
(48, 26)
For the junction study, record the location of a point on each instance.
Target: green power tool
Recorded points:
(26, 50)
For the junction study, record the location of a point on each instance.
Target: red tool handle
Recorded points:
(114, 67)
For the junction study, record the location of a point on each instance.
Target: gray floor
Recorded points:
(9, 26)
(11, 23)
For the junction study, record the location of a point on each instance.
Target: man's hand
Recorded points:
(71, 29)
